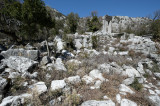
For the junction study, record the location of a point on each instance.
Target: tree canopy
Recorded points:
(24, 18)
(72, 22)
(94, 24)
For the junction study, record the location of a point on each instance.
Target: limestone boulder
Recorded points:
(126, 102)
(31, 54)
(57, 85)
(98, 103)
(21, 64)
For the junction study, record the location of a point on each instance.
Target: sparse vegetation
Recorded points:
(95, 42)
(155, 68)
(93, 66)
(94, 24)
(110, 88)
(17, 86)
(72, 22)
(136, 85)
(72, 99)
(29, 19)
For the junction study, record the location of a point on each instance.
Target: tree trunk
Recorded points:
(47, 48)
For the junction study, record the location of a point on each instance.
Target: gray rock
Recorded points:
(104, 68)
(60, 43)
(52, 102)
(131, 72)
(140, 68)
(96, 74)
(148, 71)
(78, 44)
(73, 79)
(3, 84)
(45, 60)
(126, 102)
(115, 68)
(21, 64)
(155, 99)
(2, 67)
(15, 100)
(59, 65)
(128, 81)
(29, 47)
(31, 54)
(124, 88)
(141, 80)
(157, 75)
(118, 98)
(38, 88)
(57, 84)
(98, 103)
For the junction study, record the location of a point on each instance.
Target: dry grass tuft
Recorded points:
(110, 88)
(139, 98)
(89, 94)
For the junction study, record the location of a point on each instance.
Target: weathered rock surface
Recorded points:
(31, 54)
(60, 44)
(131, 72)
(128, 81)
(45, 60)
(126, 102)
(39, 88)
(157, 75)
(124, 88)
(73, 79)
(95, 74)
(57, 84)
(3, 83)
(59, 65)
(15, 100)
(2, 67)
(155, 99)
(21, 64)
(98, 103)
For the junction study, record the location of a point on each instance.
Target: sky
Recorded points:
(131, 8)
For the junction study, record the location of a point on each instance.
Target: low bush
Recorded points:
(136, 85)
(72, 99)
(95, 42)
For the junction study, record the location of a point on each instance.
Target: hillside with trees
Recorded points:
(51, 59)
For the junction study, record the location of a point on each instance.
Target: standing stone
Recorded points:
(110, 27)
(105, 25)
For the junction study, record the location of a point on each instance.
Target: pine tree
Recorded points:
(72, 22)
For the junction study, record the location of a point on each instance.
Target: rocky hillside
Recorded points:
(123, 70)
(122, 22)
(55, 13)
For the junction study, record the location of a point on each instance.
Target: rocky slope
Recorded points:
(124, 70)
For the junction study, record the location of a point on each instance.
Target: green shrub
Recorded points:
(95, 42)
(155, 68)
(69, 43)
(72, 22)
(17, 86)
(94, 24)
(72, 99)
(155, 29)
(136, 85)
